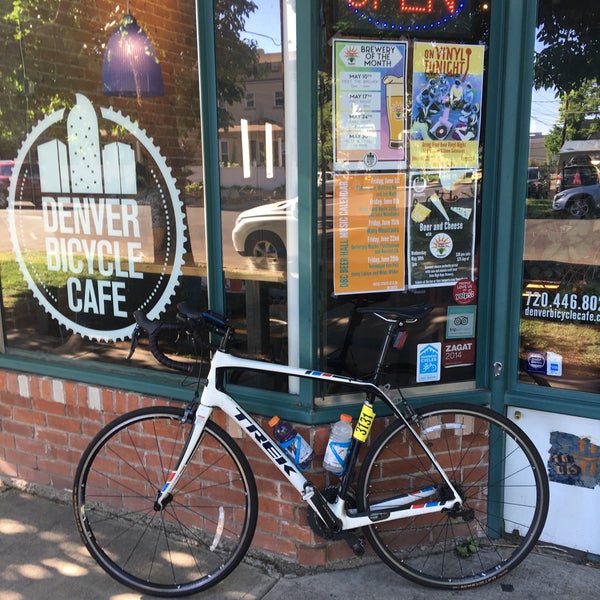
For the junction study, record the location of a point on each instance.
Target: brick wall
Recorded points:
(46, 423)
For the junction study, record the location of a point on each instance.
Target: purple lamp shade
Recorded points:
(130, 66)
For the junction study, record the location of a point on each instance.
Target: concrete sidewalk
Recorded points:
(42, 557)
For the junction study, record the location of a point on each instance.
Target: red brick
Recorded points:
(272, 543)
(284, 510)
(269, 524)
(301, 533)
(11, 383)
(21, 430)
(33, 475)
(64, 424)
(20, 458)
(34, 447)
(6, 440)
(8, 468)
(50, 407)
(338, 550)
(70, 392)
(16, 400)
(314, 556)
(29, 416)
(52, 436)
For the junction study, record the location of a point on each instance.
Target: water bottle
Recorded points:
(292, 442)
(338, 445)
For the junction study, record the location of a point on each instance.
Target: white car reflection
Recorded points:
(260, 232)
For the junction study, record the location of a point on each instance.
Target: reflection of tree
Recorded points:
(569, 31)
(578, 114)
(19, 104)
(325, 141)
(237, 59)
(52, 49)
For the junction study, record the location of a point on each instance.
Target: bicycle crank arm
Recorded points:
(321, 507)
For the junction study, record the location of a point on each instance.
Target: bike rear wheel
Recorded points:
(198, 538)
(499, 475)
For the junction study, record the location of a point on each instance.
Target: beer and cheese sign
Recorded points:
(86, 248)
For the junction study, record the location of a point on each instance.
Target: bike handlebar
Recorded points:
(188, 321)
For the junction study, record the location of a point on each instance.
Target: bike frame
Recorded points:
(213, 396)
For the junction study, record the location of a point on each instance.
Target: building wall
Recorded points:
(46, 424)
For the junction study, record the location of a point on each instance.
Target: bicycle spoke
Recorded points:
(497, 473)
(203, 530)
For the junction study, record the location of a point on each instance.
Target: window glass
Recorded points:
(257, 210)
(401, 147)
(560, 311)
(104, 209)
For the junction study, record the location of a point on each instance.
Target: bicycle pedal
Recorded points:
(356, 543)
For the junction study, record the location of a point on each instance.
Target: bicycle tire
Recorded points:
(496, 469)
(198, 538)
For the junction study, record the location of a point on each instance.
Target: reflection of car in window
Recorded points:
(260, 232)
(6, 168)
(28, 183)
(579, 202)
(328, 182)
(576, 175)
(536, 183)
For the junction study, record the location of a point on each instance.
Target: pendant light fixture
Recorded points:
(130, 66)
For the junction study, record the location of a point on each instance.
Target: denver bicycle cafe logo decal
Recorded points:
(85, 234)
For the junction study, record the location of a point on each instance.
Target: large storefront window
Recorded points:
(257, 207)
(560, 313)
(256, 90)
(401, 141)
(101, 172)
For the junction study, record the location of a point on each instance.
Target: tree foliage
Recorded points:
(237, 59)
(33, 33)
(569, 31)
(568, 62)
(578, 117)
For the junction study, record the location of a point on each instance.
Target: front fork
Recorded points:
(200, 414)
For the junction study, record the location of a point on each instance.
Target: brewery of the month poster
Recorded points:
(369, 105)
(369, 233)
(441, 227)
(446, 105)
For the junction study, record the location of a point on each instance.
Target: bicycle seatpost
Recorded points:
(392, 327)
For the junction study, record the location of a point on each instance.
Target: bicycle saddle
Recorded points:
(407, 313)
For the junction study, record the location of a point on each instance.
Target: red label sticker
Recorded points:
(465, 291)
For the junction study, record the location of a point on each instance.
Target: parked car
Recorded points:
(577, 175)
(536, 184)
(579, 202)
(328, 182)
(28, 183)
(260, 232)
(6, 169)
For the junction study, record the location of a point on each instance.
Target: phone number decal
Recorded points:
(562, 306)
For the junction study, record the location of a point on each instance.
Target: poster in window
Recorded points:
(369, 232)
(446, 105)
(369, 107)
(441, 227)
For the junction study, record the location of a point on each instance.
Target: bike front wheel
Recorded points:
(493, 466)
(198, 538)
